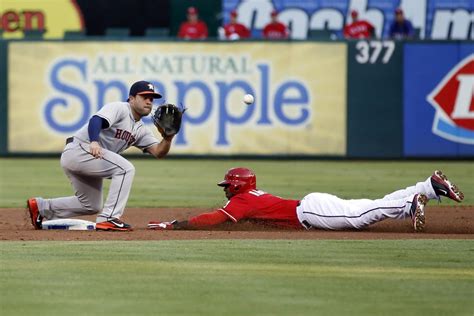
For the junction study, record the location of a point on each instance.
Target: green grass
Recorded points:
(236, 277)
(245, 277)
(192, 183)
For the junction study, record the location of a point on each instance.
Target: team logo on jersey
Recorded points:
(454, 103)
(125, 135)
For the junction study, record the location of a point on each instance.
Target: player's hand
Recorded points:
(156, 225)
(96, 150)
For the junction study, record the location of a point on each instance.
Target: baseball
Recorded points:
(248, 99)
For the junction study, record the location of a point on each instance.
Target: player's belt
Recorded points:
(69, 140)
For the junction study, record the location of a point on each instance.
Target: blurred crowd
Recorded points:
(194, 28)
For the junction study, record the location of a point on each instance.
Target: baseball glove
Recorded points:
(167, 118)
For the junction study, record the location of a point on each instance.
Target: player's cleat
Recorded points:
(418, 212)
(36, 218)
(113, 224)
(443, 187)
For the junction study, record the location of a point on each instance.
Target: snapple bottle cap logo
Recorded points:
(454, 103)
(53, 17)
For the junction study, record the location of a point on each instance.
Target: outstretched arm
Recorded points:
(201, 221)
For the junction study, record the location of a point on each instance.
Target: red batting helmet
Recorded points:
(240, 180)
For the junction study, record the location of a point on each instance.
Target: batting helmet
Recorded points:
(239, 180)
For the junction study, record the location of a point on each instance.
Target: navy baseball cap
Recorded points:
(143, 88)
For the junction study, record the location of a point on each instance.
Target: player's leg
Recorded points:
(424, 187)
(86, 201)
(327, 211)
(435, 186)
(121, 172)
(76, 163)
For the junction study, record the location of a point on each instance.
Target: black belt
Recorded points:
(69, 140)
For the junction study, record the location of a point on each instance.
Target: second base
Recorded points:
(68, 224)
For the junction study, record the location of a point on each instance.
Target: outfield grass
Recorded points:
(192, 183)
(244, 277)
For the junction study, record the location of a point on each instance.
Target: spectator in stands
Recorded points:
(193, 28)
(358, 28)
(275, 29)
(235, 30)
(401, 28)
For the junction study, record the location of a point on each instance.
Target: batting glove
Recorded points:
(162, 225)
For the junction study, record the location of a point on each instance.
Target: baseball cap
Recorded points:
(354, 13)
(233, 13)
(143, 88)
(192, 10)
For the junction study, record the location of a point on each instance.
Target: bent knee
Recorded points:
(89, 207)
(127, 169)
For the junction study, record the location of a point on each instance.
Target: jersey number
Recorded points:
(257, 192)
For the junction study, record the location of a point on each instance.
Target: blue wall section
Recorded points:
(425, 65)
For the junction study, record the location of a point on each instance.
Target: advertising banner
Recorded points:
(433, 19)
(299, 108)
(53, 17)
(438, 100)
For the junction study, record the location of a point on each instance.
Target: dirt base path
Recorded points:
(441, 223)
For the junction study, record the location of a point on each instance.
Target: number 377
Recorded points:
(373, 51)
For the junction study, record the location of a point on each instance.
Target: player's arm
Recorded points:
(162, 148)
(246, 32)
(96, 124)
(205, 31)
(371, 32)
(411, 30)
(202, 221)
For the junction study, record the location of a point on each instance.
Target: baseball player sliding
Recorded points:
(93, 154)
(316, 210)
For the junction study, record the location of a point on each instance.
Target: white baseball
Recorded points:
(248, 99)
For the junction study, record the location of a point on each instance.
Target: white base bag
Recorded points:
(68, 224)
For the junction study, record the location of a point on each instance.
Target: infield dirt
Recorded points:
(453, 222)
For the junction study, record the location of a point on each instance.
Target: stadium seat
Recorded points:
(319, 34)
(69, 35)
(33, 34)
(117, 32)
(157, 32)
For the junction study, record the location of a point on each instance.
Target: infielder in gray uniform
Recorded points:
(93, 154)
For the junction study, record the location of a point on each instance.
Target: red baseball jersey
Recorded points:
(236, 28)
(275, 30)
(358, 29)
(260, 205)
(196, 30)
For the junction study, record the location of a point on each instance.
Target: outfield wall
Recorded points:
(377, 99)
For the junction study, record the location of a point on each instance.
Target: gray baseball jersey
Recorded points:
(86, 172)
(123, 130)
